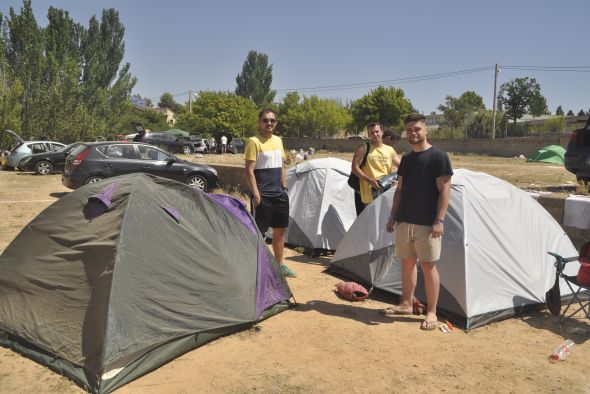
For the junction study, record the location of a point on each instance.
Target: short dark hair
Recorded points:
(265, 111)
(414, 117)
(374, 124)
(391, 134)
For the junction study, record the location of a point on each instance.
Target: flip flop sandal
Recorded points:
(429, 325)
(394, 310)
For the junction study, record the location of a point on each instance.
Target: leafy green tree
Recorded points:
(255, 79)
(479, 124)
(167, 101)
(521, 96)
(457, 110)
(25, 58)
(384, 105)
(559, 111)
(290, 116)
(73, 85)
(10, 107)
(220, 111)
(323, 117)
(538, 106)
(570, 113)
(582, 113)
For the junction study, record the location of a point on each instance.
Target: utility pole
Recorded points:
(190, 104)
(494, 109)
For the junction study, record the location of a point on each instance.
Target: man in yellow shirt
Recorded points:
(381, 161)
(265, 174)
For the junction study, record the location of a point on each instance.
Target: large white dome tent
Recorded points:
(494, 260)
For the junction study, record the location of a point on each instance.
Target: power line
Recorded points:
(419, 78)
(388, 81)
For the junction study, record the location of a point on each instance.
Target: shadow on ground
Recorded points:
(354, 311)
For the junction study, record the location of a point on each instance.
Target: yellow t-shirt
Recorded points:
(268, 154)
(379, 163)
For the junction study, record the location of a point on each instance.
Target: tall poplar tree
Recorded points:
(255, 79)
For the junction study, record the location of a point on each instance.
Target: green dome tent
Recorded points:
(549, 154)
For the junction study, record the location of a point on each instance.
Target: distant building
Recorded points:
(434, 121)
(170, 115)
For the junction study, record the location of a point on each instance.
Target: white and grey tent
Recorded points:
(321, 204)
(494, 260)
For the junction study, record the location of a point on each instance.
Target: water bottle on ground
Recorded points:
(562, 351)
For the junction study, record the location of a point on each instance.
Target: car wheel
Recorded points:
(197, 181)
(93, 179)
(234, 150)
(187, 150)
(44, 167)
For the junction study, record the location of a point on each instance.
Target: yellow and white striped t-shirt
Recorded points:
(268, 154)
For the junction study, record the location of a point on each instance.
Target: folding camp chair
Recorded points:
(581, 296)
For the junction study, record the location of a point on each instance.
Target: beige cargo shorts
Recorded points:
(414, 241)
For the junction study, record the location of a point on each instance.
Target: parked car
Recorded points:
(92, 162)
(169, 142)
(24, 148)
(202, 144)
(577, 154)
(235, 145)
(47, 162)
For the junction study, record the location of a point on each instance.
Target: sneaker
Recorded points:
(287, 272)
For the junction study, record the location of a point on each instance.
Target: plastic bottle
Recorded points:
(562, 351)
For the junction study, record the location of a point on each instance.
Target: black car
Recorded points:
(577, 154)
(169, 142)
(47, 162)
(92, 162)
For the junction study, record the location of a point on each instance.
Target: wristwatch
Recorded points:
(437, 221)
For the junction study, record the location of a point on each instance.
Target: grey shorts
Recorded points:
(414, 241)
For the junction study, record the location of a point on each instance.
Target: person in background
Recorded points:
(265, 175)
(381, 161)
(223, 141)
(417, 215)
(390, 137)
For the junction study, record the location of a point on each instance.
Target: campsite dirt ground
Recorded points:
(326, 344)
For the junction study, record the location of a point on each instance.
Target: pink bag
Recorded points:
(351, 291)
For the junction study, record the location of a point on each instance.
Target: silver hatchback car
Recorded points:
(25, 148)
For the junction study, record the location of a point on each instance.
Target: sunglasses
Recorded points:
(271, 121)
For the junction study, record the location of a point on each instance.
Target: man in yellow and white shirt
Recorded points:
(265, 174)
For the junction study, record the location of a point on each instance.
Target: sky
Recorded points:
(343, 49)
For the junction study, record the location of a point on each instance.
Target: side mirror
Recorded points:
(170, 162)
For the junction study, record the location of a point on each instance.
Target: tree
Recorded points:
(582, 113)
(25, 58)
(73, 85)
(290, 116)
(323, 117)
(559, 111)
(220, 111)
(570, 113)
(255, 79)
(387, 106)
(521, 96)
(167, 101)
(456, 110)
(538, 106)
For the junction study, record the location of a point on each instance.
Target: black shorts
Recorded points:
(272, 212)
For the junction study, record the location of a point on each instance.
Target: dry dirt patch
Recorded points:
(325, 344)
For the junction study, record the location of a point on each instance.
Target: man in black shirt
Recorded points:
(417, 216)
